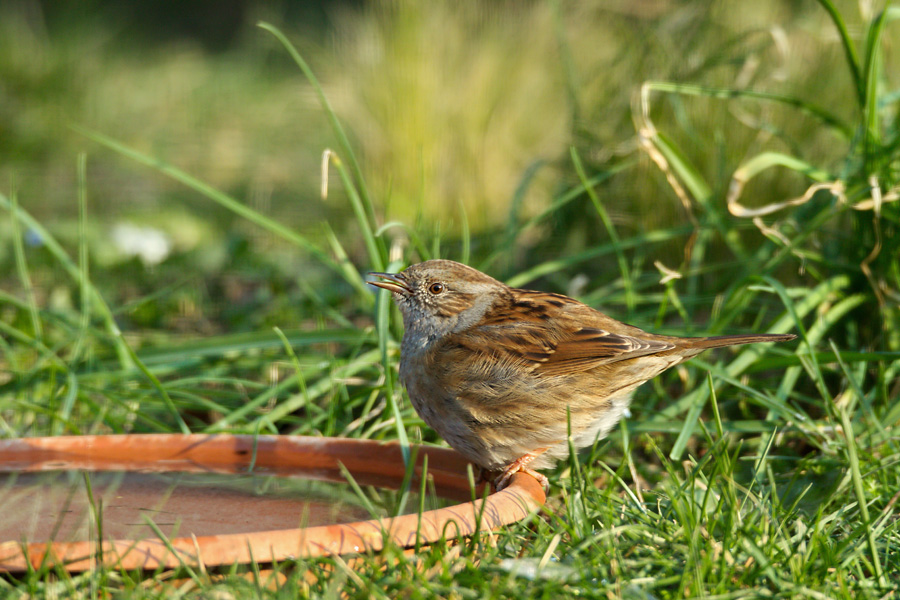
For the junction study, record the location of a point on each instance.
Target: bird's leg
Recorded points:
(484, 476)
(521, 464)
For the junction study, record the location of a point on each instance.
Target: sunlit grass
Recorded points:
(763, 472)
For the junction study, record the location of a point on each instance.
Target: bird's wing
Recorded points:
(554, 344)
(581, 350)
(588, 347)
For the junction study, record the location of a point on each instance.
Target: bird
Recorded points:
(506, 375)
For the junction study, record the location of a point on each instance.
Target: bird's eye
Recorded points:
(436, 288)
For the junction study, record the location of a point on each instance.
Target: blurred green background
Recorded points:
(459, 112)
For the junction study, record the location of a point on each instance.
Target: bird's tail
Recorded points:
(719, 341)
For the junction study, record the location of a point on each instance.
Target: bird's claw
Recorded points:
(521, 465)
(504, 479)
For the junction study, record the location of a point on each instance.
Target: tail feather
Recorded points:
(720, 341)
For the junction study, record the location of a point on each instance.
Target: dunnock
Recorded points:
(501, 372)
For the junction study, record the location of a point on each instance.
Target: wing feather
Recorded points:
(546, 333)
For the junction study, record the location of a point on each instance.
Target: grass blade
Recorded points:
(213, 194)
(859, 491)
(346, 148)
(22, 268)
(803, 106)
(849, 51)
(610, 229)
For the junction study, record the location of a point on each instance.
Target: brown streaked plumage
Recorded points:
(500, 372)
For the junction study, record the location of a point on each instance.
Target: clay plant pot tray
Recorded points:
(368, 462)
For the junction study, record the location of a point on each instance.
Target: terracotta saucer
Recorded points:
(217, 526)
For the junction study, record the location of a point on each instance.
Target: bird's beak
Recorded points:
(394, 282)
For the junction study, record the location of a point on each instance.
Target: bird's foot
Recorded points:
(521, 465)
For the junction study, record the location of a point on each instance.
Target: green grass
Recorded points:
(763, 472)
